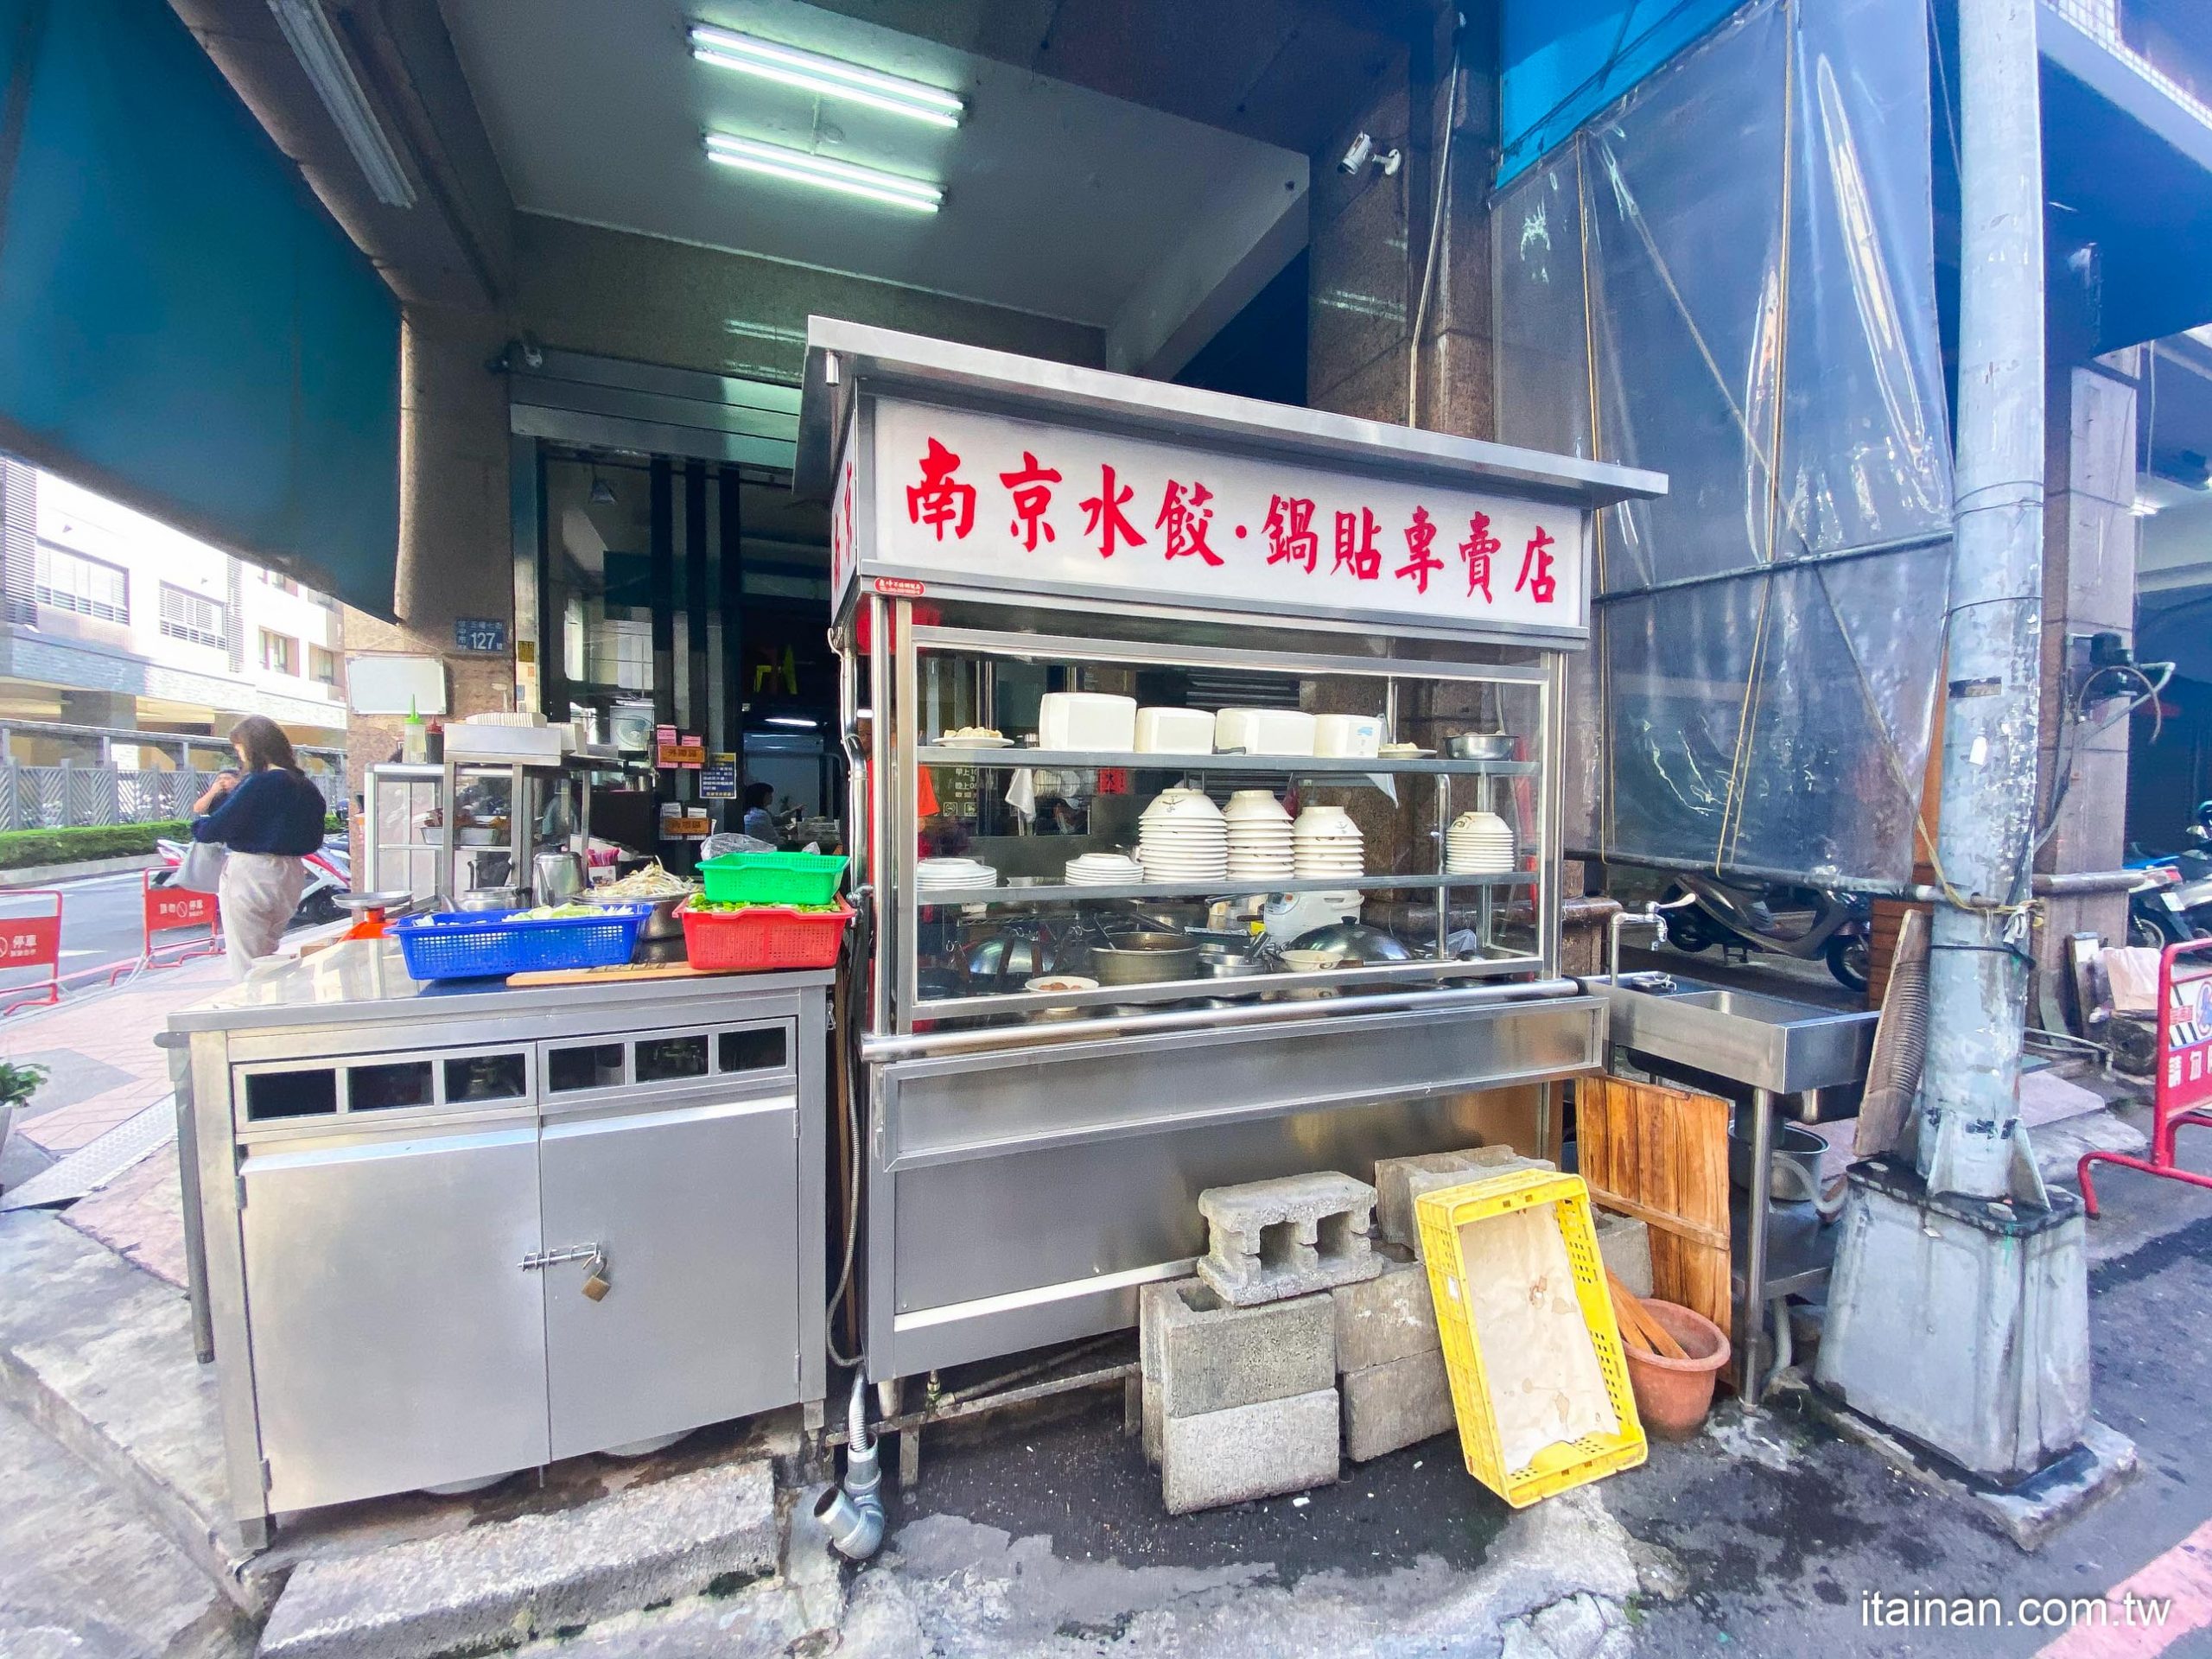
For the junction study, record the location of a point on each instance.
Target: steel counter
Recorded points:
(1021, 1196)
(409, 1193)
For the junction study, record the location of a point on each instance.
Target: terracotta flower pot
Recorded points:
(1672, 1396)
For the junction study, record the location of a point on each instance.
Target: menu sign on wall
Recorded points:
(1000, 502)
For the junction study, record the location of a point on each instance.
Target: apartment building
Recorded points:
(115, 624)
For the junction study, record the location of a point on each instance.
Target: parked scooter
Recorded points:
(1810, 924)
(330, 873)
(2173, 902)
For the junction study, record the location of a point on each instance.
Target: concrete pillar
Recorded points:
(1371, 241)
(456, 554)
(2089, 552)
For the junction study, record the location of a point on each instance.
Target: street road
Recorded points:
(99, 926)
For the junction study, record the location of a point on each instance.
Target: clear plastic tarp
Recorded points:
(1729, 278)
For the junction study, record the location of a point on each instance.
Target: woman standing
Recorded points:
(270, 818)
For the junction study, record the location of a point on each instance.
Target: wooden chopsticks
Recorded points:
(1637, 1326)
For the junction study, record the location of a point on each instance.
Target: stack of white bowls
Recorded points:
(1104, 870)
(1259, 836)
(1324, 842)
(1478, 843)
(1182, 838)
(935, 875)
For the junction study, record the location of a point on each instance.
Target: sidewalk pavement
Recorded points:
(105, 1069)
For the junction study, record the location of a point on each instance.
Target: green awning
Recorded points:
(182, 326)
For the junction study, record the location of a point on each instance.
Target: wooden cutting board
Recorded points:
(622, 971)
(1661, 1154)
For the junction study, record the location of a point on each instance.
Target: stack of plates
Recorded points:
(1182, 838)
(944, 874)
(1324, 842)
(1478, 843)
(1104, 870)
(1260, 846)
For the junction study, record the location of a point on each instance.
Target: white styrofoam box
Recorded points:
(1174, 731)
(1263, 731)
(468, 740)
(1353, 735)
(1087, 721)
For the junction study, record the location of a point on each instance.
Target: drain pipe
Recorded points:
(853, 1513)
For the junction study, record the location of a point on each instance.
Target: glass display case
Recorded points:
(1037, 884)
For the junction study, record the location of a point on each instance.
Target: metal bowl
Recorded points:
(490, 899)
(1143, 958)
(1222, 964)
(1480, 746)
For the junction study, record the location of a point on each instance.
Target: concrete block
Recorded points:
(1249, 1451)
(1397, 1404)
(1624, 1244)
(1400, 1181)
(1387, 1317)
(1267, 1240)
(1198, 1354)
(499, 1585)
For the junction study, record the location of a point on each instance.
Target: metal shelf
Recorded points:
(1290, 765)
(1057, 891)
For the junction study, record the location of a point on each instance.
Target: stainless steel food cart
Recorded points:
(1034, 1155)
(416, 843)
(454, 1231)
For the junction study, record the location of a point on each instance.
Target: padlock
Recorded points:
(596, 1283)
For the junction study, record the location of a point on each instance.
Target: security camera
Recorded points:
(1362, 152)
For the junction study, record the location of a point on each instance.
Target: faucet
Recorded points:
(1653, 916)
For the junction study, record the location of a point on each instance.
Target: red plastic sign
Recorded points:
(30, 942)
(167, 907)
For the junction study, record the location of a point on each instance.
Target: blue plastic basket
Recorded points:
(473, 945)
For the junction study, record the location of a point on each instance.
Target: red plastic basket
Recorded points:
(762, 936)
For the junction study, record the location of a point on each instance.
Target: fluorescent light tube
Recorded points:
(314, 43)
(827, 77)
(824, 173)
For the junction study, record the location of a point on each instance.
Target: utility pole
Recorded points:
(1958, 1307)
(1978, 961)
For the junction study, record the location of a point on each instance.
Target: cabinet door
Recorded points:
(398, 1340)
(697, 1207)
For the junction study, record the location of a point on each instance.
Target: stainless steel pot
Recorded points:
(1143, 958)
(478, 899)
(661, 922)
(1795, 1177)
(557, 877)
(660, 925)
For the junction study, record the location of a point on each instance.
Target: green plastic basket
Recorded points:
(772, 878)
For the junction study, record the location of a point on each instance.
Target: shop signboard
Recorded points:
(973, 499)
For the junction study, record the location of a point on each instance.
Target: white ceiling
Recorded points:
(1059, 200)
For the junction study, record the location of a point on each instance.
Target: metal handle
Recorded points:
(946, 1042)
(539, 1259)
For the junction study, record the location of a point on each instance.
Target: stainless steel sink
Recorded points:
(1767, 1042)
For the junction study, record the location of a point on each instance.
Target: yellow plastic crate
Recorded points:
(1563, 1464)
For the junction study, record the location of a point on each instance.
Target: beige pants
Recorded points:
(258, 893)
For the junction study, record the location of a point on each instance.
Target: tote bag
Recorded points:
(202, 869)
